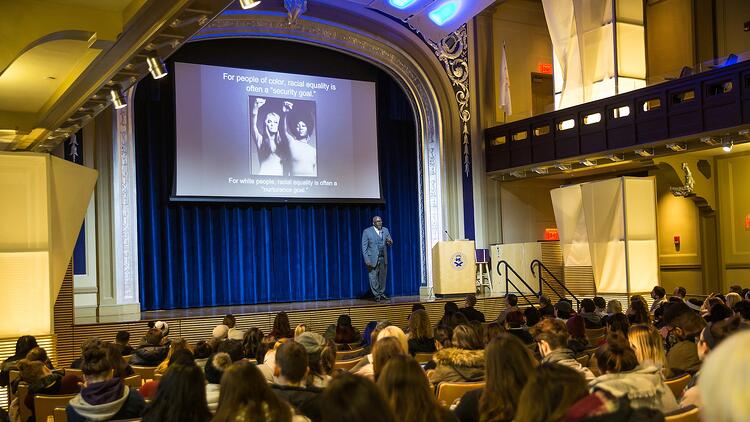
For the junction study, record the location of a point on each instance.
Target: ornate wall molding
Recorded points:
(387, 56)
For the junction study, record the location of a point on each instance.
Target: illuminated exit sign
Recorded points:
(545, 68)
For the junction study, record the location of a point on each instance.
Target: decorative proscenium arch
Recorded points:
(436, 115)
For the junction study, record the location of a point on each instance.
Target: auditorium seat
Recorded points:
(346, 364)
(21, 393)
(13, 375)
(596, 335)
(423, 358)
(60, 415)
(44, 405)
(126, 358)
(448, 392)
(687, 414)
(677, 385)
(73, 371)
(146, 372)
(134, 381)
(350, 354)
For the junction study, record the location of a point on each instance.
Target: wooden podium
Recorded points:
(453, 267)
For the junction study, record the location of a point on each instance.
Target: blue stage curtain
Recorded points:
(210, 254)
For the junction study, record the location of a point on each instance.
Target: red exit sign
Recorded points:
(545, 68)
(747, 222)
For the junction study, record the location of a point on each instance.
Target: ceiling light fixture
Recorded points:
(588, 163)
(562, 167)
(677, 147)
(727, 145)
(540, 170)
(645, 152)
(401, 4)
(156, 66)
(520, 174)
(249, 4)
(118, 99)
(443, 13)
(615, 158)
(710, 141)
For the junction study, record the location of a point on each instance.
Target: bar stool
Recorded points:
(483, 270)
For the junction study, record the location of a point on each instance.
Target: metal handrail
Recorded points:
(540, 265)
(509, 269)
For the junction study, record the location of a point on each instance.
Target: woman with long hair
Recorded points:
(421, 339)
(246, 396)
(407, 391)
(638, 312)
(353, 398)
(281, 328)
(180, 397)
(548, 394)
(177, 344)
(507, 366)
(385, 349)
(648, 346)
(251, 342)
(464, 361)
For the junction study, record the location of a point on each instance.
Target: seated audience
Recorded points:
(352, 398)
(622, 377)
(493, 330)
(552, 336)
(733, 299)
(289, 376)
(725, 381)
(410, 397)
(613, 307)
(421, 339)
(577, 342)
(546, 309)
(181, 396)
(202, 352)
(244, 395)
(638, 313)
(511, 305)
(710, 338)
(508, 365)
(514, 324)
(563, 310)
(548, 394)
(321, 357)
(385, 349)
(122, 339)
(281, 328)
(233, 332)
(103, 397)
(743, 310)
(532, 316)
(618, 322)
(718, 312)
(24, 344)
(463, 361)
(42, 380)
(251, 343)
(449, 309)
(88, 343)
(39, 354)
(443, 337)
(152, 352)
(682, 327)
(659, 295)
(299, 329)
(233, 348)
(121, 368)
(680, 292)
(177, 344)
(343, 332)
(588, 313)
(469, 311)
(601, 306)
(215, 368)
(220, 332)
(648, 346)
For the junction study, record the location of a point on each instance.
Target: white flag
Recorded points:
(505, 84)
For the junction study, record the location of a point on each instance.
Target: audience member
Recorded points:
(659, 295)
(281, 327)
(88, 343)
(449, 309)
(552, 336)
(152, 352)
(122, 339)
(546, 309)
(680, 292)
(102, 397)
(244, 395)
(508, 365)
(514, 324)
(42, 380)
(733, 298)
(648, 346)
(421, 339)
(682, 327)
(343, 332)
(743, 310)
(233, 348)
(386, 348)
(468, 310)
(24, 344)
(321, 357)
(511, 305)
(251, 342)
(367, 339)
(40, 355)
(291, 370)
(725, 381)
(601, 306)
(406, 390)
(563, 309)
(443, 337)
(203, 351)
(710, 338)
(638, 313)
(214, 370)
(299, 329)
(718, 312)
(220, 332)
(735, 288)
(548, 394)
(180, 397)
(352, 398)
(178, 344)
(464, 361)
(493, 330)
(577, 342)
(588, 313)
(121, 368)
(622, 377)
(618, 322)
(233, 333)
(532, 316)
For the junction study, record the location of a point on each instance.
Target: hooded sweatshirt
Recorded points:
(106, 400)
(643, 386)
(458, 365)
(566, 357)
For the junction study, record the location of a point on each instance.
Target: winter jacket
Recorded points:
(458, 365)
(591, 320)
(104, 401)
(149, 355)
(566, 357)
(421, 345)
(305, 400)
(212, 396)
(682, 358)
(643, 386)
(602, 407)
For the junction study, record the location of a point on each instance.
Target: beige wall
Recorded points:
(734, 196)
(521, 26)
(526, 209)
(669, 29)
(730, 18)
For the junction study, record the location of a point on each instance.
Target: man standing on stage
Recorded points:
(374, 242)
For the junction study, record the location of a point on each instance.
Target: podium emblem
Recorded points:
(458, 260)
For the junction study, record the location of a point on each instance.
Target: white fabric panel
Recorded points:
(643, 265)
(603, 208)
(571, 225)
(640, 226)
(562, 28)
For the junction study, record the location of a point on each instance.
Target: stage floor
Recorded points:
(268, 308)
